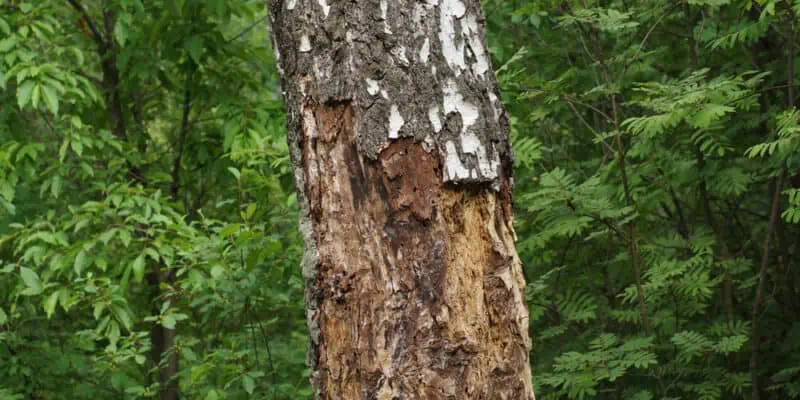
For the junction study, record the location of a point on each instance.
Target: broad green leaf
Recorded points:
(249, 384)
(188, 354)
(50, 304)
(4, 27)
(152, 253)
(55, 185)
(113, 332)
(235, 172)
(3, 316)
(120, 33)
(62, 151)
(125, 236)
(7, 44)
(195, 48)
(229, 229)
(83, 223)
(168, 321)
(36, 95)
(251, 209)
(98, 309)
(31, 279)
(82, 260)
(8, 206)
(138, 268)
(77, 147)
(122, 316)
(50, 99)
(6, 190)
(24, 92)
(64, 298)
(174, 7)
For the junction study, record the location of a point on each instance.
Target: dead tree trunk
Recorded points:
(400, 145)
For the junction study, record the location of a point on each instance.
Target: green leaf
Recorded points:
(55, 185)
(63, 298)
(7, 44)
(249, 384)
(152, 253)
(120, 33)
(138, 268)
(31, 279)
(36, 95)
(122, 316)
(235, 172)
(4, 27)
(195, 48)
(77, 147)
(175, 7)
(8, 206)
(229, 229)
(3, 316)
(113, 332)
(168, 322)
(709, 114)
(188, 354)
(83, 223)
(251, 209)
(50, 304)
(81, 261)
(62, 151)
(50, 99)
(212, 395)
(24, 92)
(98, 310)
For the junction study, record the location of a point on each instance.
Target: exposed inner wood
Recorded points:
(419, 288)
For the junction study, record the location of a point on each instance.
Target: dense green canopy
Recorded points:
(145, 182)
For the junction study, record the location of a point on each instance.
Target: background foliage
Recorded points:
(145, 191)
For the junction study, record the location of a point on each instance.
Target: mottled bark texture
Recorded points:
(400, 145)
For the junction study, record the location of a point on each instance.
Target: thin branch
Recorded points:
(578, 114)
(184, 132)
(98, 38)
(755, 339)
(247, 29)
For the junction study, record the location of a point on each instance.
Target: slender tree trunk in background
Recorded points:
(162, 339)
(414, 289)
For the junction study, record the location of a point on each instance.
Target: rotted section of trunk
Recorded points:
(413, 287)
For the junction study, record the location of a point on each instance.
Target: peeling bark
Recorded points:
(413, 287)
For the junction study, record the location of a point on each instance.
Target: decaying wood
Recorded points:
(413, 287)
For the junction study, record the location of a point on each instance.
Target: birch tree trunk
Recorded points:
(414, 289)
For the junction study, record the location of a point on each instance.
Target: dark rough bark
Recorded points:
(413, 287)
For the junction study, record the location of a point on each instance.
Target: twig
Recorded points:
(98, 38)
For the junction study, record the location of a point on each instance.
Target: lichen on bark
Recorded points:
(402, 161)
